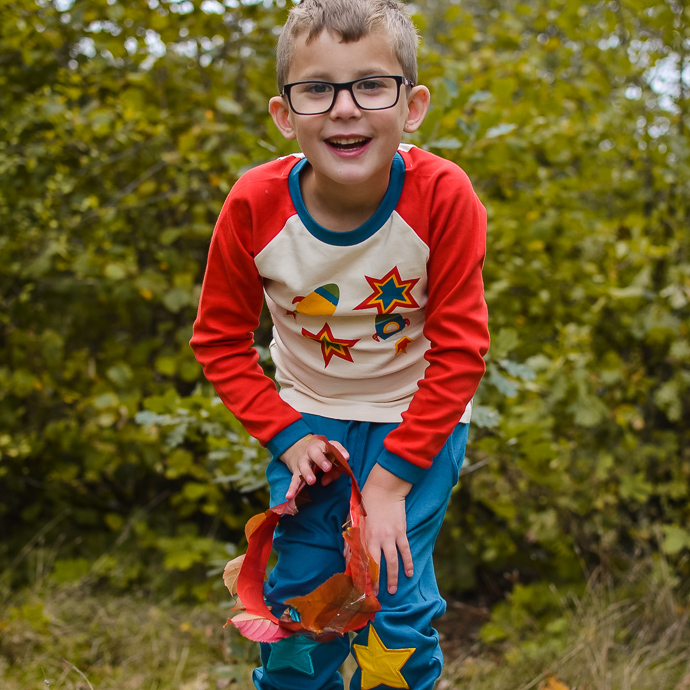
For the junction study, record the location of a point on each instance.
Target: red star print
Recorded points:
(401, 346)
(390, 292)
(330, 345)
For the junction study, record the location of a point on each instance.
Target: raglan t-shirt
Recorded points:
(385, 323)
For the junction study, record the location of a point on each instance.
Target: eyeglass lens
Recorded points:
(377, 93)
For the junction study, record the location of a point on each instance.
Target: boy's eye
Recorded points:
(317, 89)
(370, 85)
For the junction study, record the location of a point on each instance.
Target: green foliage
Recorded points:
(123, 128)
(552, 110)
(527, 610)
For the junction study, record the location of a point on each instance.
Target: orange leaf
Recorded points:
(336, 606)
(343, 603)
(553, 683)
(253, 524)
(360, 565)
(231, 573)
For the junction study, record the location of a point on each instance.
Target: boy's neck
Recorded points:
(336, 207)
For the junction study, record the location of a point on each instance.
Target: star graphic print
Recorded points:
(381, 665)
(293, 652)
(389, 292)
(330, 345)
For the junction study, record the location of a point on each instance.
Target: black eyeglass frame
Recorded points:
(346, 86)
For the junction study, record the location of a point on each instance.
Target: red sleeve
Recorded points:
(456, 322)
(229, 312)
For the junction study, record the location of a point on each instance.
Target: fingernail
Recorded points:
(392, 590)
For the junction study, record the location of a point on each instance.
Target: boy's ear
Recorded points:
(417, 107)
(280, 112)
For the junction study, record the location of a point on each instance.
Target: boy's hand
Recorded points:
(386, 523)
(303, 456)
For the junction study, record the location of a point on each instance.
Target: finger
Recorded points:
(293, 489)
(406, 557)
(340, 448)
(307, 471)
(317, 454)
(392, 567)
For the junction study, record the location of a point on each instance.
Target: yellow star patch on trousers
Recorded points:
(380, 665)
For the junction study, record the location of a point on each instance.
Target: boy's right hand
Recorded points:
(303, 456)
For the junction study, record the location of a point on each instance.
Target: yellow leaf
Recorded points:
(553, 683)
(231, 573)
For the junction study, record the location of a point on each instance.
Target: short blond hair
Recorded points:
(352, 20)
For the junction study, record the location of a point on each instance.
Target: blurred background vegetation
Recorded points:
(122, 128)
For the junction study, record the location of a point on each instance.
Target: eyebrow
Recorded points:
(361, 74)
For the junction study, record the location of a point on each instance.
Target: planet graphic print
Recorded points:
(321, 302)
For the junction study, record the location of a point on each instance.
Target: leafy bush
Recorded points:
(558, 113)
(124, 126)
(122, 131)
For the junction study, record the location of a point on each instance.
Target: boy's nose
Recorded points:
(344, 105)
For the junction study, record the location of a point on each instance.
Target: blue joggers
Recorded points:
(400, 649)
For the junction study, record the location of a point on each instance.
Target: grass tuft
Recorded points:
(629, 634)
(78, 638)
(626, 633)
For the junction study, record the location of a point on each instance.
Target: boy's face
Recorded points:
(349, 145)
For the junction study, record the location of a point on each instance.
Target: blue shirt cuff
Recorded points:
(400, 468)
(288, 437)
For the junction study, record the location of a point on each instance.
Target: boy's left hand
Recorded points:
(384, 496)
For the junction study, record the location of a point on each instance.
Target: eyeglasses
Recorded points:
(370, 93)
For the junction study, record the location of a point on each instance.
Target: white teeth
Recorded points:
(345, 141)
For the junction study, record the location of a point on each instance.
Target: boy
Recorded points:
(369, 254)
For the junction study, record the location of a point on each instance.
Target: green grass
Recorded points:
(75, 637)
(629, 634)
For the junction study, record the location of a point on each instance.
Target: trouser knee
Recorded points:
(396, 658)
(299, 663)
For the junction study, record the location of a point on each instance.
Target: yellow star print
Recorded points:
(380, 665)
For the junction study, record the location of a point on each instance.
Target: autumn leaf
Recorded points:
(336, 606)
(357, 511)
(232, 573)
(250, 581)
(239, 606)
(552, 683)
(343, 603)
(253, 524)
(360, 565)
(258, 628)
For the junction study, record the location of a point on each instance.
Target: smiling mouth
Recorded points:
(347, 143)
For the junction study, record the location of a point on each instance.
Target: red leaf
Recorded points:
(343, 603)
(250, 582)
(258, 628)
